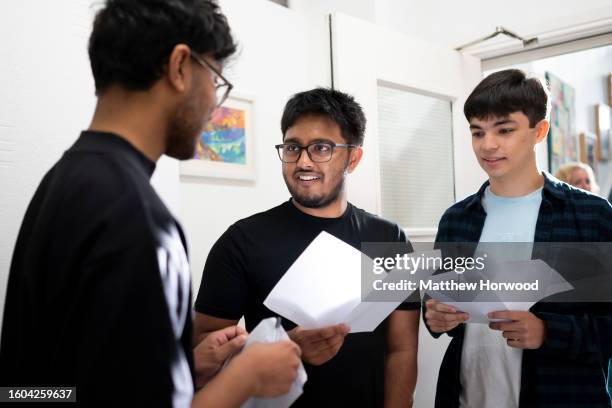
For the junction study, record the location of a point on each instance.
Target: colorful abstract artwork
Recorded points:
(562, 138)
(225, 147)
(224, 139)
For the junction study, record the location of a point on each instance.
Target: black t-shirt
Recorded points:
(98, 292)
(251, 257)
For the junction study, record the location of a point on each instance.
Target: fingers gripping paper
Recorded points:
(268, 331)
(479, 303)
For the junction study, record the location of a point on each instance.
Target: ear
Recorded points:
(354, 158)
(178, 72)
(541, 130)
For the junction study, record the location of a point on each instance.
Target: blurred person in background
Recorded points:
(579, 175)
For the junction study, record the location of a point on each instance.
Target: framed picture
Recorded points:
(588, 150)
(225, 147)
(602, 129)
(610, 89)
(562, 137)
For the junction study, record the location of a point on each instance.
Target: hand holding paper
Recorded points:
(441, 317)
(323, 288)
(275, 366)
(524, 330)
(319, 345)
(481, 300)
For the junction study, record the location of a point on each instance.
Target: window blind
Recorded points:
(416, 157)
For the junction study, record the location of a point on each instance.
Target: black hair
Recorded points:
(504, 92)
(337, 106)
(132, 39)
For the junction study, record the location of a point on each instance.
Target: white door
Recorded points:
(367, 60)
(411, 91)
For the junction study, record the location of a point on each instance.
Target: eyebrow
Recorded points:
(505, 122)
(295, 140)
(498, 123)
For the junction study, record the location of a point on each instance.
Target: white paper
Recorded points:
(323, 288)
(268, 331)
(550, 283)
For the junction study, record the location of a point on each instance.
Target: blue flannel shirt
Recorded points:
(569, 369)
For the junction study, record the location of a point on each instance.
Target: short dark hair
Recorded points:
(132, 39)
(504, 92)
(337, 106)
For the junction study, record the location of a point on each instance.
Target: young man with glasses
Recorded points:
(323, 131)
(99, 292)
(556, 353)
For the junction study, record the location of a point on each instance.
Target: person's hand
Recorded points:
(441, 318)
(270, 368)
(319, 345)
(524, 331)
(210, 354)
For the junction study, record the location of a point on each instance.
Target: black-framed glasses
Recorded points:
(318, 152)
(222, 85)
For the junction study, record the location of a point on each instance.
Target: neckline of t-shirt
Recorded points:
(314, 218)
(491, 195)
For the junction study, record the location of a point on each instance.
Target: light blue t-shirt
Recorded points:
(510, 219)
(490, 369)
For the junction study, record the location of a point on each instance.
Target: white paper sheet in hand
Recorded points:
(550, 281)
(268, 331)
(323, 288)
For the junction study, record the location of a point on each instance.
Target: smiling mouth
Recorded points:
(308, 178)
(493, 160)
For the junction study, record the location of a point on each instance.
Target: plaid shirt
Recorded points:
(569, 369)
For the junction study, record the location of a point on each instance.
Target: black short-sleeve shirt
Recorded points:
(99, 291)
(249, 259)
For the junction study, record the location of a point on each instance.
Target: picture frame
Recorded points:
(563, 140)
(610, 89)
(225, 148)
(588, 150)
(603, 130)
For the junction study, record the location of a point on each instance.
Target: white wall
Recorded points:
(454, 23)
(47, 99)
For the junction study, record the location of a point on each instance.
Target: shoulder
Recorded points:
(263, 219)
(592, 212)
(580, 197)
(98, 191)
(376, 228)
(460, 221)
(460, 208)
(254, 227)
(98, 175)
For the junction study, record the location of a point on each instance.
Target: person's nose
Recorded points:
(303, 160)
(489, 142)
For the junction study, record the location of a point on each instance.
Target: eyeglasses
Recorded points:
(222, 85)
(318, 152)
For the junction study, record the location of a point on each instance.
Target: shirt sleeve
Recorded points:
(223, 289)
